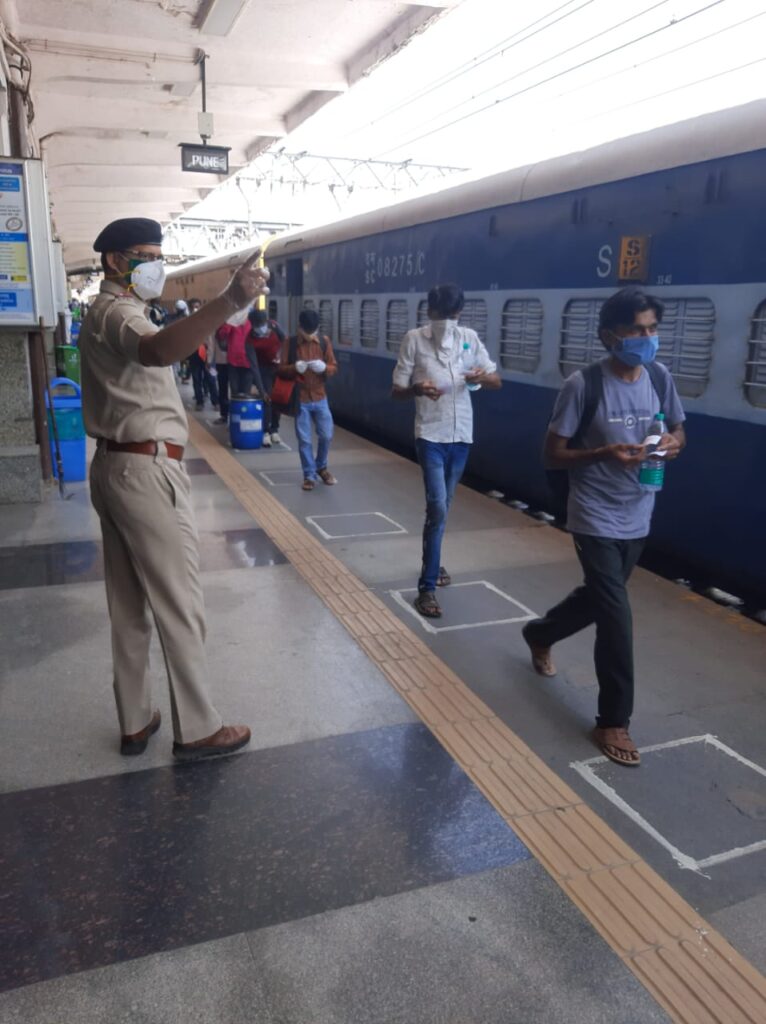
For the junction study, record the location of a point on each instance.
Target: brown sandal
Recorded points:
(616, 744)
(427, 605)
(444, 578)
(309, 485)
(541, 658)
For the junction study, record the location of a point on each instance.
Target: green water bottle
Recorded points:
(651, 475)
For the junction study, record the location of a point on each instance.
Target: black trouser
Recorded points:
(223, 389)
(603, 599)
(242, 378)
(271, 415)
(202, 380)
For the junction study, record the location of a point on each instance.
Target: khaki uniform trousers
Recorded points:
(151, 562)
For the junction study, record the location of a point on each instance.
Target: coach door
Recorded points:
(294, 292)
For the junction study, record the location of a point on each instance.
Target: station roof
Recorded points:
(116, 87)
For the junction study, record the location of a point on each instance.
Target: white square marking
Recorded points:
(428, 626)
(683, 860)
(346, 515)
(297, 476)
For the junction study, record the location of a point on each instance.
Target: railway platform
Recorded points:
(421, 830)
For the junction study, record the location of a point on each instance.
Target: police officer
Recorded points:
(140, 487)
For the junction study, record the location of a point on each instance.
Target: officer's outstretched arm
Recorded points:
(177, 342)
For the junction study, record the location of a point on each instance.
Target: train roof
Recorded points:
(723, 133)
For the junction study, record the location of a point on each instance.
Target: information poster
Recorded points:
(17, 302)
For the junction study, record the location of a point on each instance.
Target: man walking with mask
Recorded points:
(600, 421)
(140, 487)
(439, 365)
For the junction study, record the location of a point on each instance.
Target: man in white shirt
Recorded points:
(439, 365)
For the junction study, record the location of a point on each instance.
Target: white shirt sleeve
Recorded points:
(405, 364)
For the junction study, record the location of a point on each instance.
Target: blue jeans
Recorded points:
(442, 466)
(319, 413)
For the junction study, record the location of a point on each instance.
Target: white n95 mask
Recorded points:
(148, 279)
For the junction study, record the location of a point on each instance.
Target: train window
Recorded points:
(521, 334)
(579, 334)
(474, 315)
(273, 309)
(309, 304)
(397, 323)
(755, 368)
(346, 322)
(325, 317)
(686, 343)
(369, 323)
(422, 317)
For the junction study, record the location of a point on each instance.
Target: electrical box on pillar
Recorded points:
(27, 291)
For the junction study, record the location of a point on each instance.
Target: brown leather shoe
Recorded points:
(137, 742)
(228, 739)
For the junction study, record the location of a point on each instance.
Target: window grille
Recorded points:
(474, 315)
(686, 343)
(422, 318)
(325, 317)
(397, 323)
(579, 335)
(309, 304)
(369, 323)
(755, 367)
(345, 322)
(273, 309)
(521, 334)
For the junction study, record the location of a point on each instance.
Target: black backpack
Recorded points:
(558, 479)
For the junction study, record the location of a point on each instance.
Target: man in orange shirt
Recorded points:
(309, 361)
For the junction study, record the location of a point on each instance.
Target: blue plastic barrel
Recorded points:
(246, 423)
(69, 425)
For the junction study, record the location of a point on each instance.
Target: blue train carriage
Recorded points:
(679, 210)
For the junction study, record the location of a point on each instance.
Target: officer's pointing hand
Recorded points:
(249, 283)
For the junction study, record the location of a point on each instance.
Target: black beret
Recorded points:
(122, 234)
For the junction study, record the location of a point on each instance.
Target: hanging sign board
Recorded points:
(26, 279)
(204, 159)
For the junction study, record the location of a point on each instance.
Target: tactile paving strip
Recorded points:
(687, 966)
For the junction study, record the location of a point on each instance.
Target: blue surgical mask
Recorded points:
(637, 351)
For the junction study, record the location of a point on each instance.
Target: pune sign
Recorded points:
(204, 159)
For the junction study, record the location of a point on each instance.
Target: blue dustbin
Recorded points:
(246, 423)
(68, 410)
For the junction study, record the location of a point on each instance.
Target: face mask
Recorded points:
(440, 329)
(637, 351)
(147, 279)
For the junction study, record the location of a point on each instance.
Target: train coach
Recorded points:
(680, 211)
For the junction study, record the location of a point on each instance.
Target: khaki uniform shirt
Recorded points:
(122, 400)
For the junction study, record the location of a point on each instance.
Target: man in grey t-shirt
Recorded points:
(609, 513)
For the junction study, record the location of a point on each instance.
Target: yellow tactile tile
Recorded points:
(687, 966)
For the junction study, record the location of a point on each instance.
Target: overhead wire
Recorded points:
(676, 88)
(665, 53)
(556, 56)
(550, 78)
(475, 62)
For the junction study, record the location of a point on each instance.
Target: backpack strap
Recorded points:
(660, 377)
(594, 389)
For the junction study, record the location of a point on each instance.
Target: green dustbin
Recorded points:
(68, 362)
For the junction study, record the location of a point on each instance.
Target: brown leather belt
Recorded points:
(174, 451)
